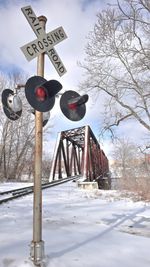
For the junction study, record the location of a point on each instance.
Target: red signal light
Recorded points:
(40, 94)
(72, 106)
(74, 103)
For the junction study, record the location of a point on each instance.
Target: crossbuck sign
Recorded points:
(44, 42)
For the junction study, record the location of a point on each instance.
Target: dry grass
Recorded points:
(139, 186)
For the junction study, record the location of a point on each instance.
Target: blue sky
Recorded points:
(77, 17)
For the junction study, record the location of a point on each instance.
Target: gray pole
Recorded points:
(37, 245)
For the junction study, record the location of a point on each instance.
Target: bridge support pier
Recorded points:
(88, 185)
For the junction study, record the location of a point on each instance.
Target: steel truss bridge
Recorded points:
(77, 152)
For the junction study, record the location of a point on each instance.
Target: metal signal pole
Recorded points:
(37, 244)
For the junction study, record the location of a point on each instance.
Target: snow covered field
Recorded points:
(80, 228)
(9, 186)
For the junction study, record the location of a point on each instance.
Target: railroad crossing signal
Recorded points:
(12, 104)
(40, 93)
(44, 42)
(73, 105)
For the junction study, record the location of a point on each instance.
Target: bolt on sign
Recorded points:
(45, 42)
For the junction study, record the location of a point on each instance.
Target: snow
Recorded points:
(80, 228)
(9, 186)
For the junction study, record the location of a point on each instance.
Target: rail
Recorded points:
(20, 192)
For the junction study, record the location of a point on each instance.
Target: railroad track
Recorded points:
(20, 192)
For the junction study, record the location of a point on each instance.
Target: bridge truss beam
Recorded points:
(77, 152)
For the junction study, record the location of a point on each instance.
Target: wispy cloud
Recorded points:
(77, 17)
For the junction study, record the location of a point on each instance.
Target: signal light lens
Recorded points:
(74, 103)
(72, 106)
(40, 94)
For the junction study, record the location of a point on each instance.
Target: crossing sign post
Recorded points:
(37, 48)
(44, 42)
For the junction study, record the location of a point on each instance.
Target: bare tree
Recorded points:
(17, 146)
(131, 168)
(46, 167)
(127, 158)
(117, 63)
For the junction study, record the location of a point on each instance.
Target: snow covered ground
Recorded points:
(80, 228)
(10, 186)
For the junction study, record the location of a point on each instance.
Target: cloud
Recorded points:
(16, 31)
(77, 17)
